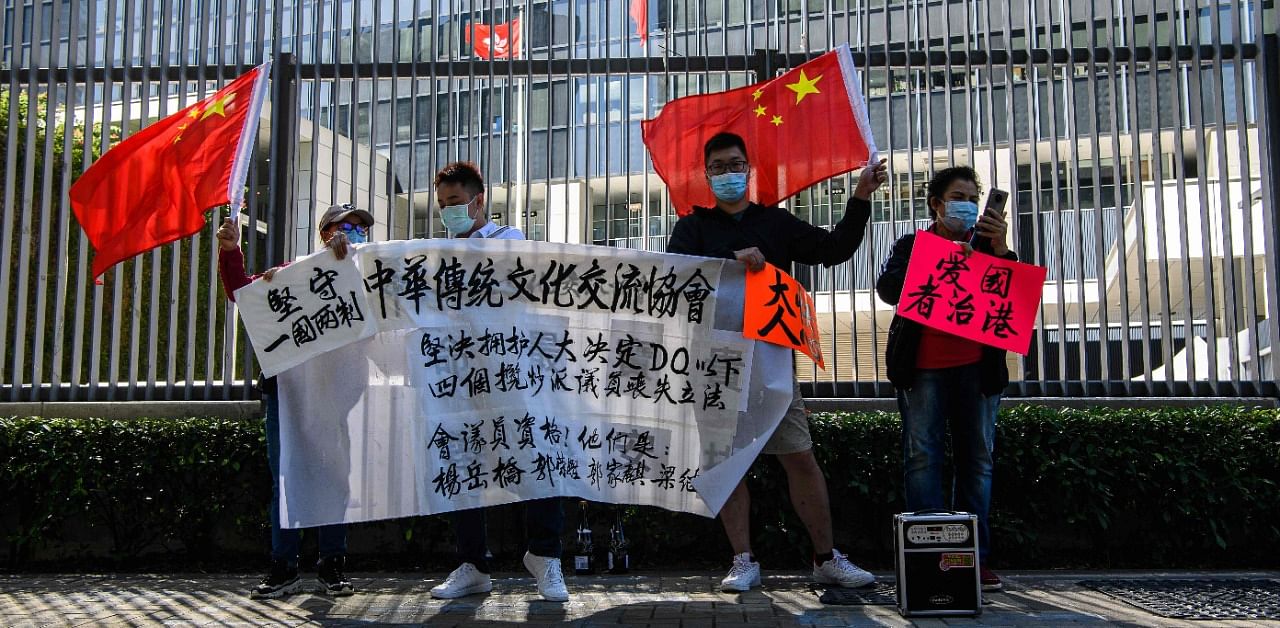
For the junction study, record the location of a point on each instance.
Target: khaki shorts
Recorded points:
(792, 435)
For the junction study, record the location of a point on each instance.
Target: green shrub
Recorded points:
(1101, 488)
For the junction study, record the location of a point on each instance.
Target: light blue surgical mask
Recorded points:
(355, 237)
(729, 187)
(457, 218)
(962, 214)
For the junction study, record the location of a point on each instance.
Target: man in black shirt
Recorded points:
(737, 228)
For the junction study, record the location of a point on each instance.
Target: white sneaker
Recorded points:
(465, 580)
(550, 579)
(744, 574)
(840, 571)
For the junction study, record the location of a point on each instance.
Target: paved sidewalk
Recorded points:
(644, 599)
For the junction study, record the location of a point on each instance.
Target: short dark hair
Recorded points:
(463, 172)
(721, 141)
(943, 179)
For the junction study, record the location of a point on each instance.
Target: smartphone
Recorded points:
(996, 200)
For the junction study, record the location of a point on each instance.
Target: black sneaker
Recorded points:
(283, 580)
(332, 580)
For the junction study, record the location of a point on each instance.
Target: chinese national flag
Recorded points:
(807, 125)
(495, 41)
(155, 186)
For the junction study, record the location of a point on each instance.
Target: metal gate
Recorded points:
(1134, 135)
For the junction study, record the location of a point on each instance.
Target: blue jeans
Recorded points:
(285, 543)
(953, 397)
(543, 520)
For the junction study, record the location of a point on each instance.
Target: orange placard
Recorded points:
(777, 309)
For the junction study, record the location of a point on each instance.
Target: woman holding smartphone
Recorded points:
(943, 380)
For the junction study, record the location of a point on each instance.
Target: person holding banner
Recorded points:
(460, 194)
(737, 228)
(943, 379)
(340, 226)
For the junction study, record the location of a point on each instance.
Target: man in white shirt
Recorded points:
(460, 194)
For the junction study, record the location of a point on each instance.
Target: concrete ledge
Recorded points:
(134, 409)
(253, 409)
(891, 405)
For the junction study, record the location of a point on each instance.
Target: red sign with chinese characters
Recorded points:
(777, 309)
(979, 297)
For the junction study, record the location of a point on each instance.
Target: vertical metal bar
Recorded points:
(375, 98)
(10, 212)
(1162, 286)
(1135, 132)
(169, 56)
(606, 82)
(136, 57)
(926, 88)
(1072, 170)
(96, 348)
(1182, 92)
(21, 323)
(1014, 214)
(1196, 114)
(1033, 142)
(948, 126)
(228, 313)
(192, 291)
(1229, 288)
(1268, 71)
(1248, 267)
(352, 104)
(62, 254)
(1125, 177)
(151, 266)
(1100, 210)
(203, 50)
(411, 186)
(1058, 213)
(509, 105)
(41, 277)
(526, 129)
(81, 275)
(356, 37)
(393, 128)
(318, 120)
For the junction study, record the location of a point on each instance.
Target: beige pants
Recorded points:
(792, 435)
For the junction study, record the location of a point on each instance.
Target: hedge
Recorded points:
(1163, 488)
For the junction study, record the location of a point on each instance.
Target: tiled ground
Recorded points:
(645, 599)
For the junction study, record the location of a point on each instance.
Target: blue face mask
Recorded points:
(457, 218)
(961, 214)
(729, 187)
(355, 237)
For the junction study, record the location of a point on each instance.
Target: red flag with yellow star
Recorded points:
(155, 186)
(807, 125)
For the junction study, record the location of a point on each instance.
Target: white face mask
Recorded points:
(457, 218)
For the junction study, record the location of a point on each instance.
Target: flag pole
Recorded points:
(248, 142)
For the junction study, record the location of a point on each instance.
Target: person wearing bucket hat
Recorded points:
(344, 224)
(340, 226)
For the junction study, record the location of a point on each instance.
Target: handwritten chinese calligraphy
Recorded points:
(980, 297)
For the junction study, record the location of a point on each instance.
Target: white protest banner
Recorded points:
(509, 370)
(309, 307)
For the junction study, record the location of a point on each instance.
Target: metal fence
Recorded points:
(1135, 136)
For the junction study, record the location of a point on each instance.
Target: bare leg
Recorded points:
(809, 497)
(736, 517)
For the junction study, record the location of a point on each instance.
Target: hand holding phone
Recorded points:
(991, 223)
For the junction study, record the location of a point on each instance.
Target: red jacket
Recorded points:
(231, 270)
